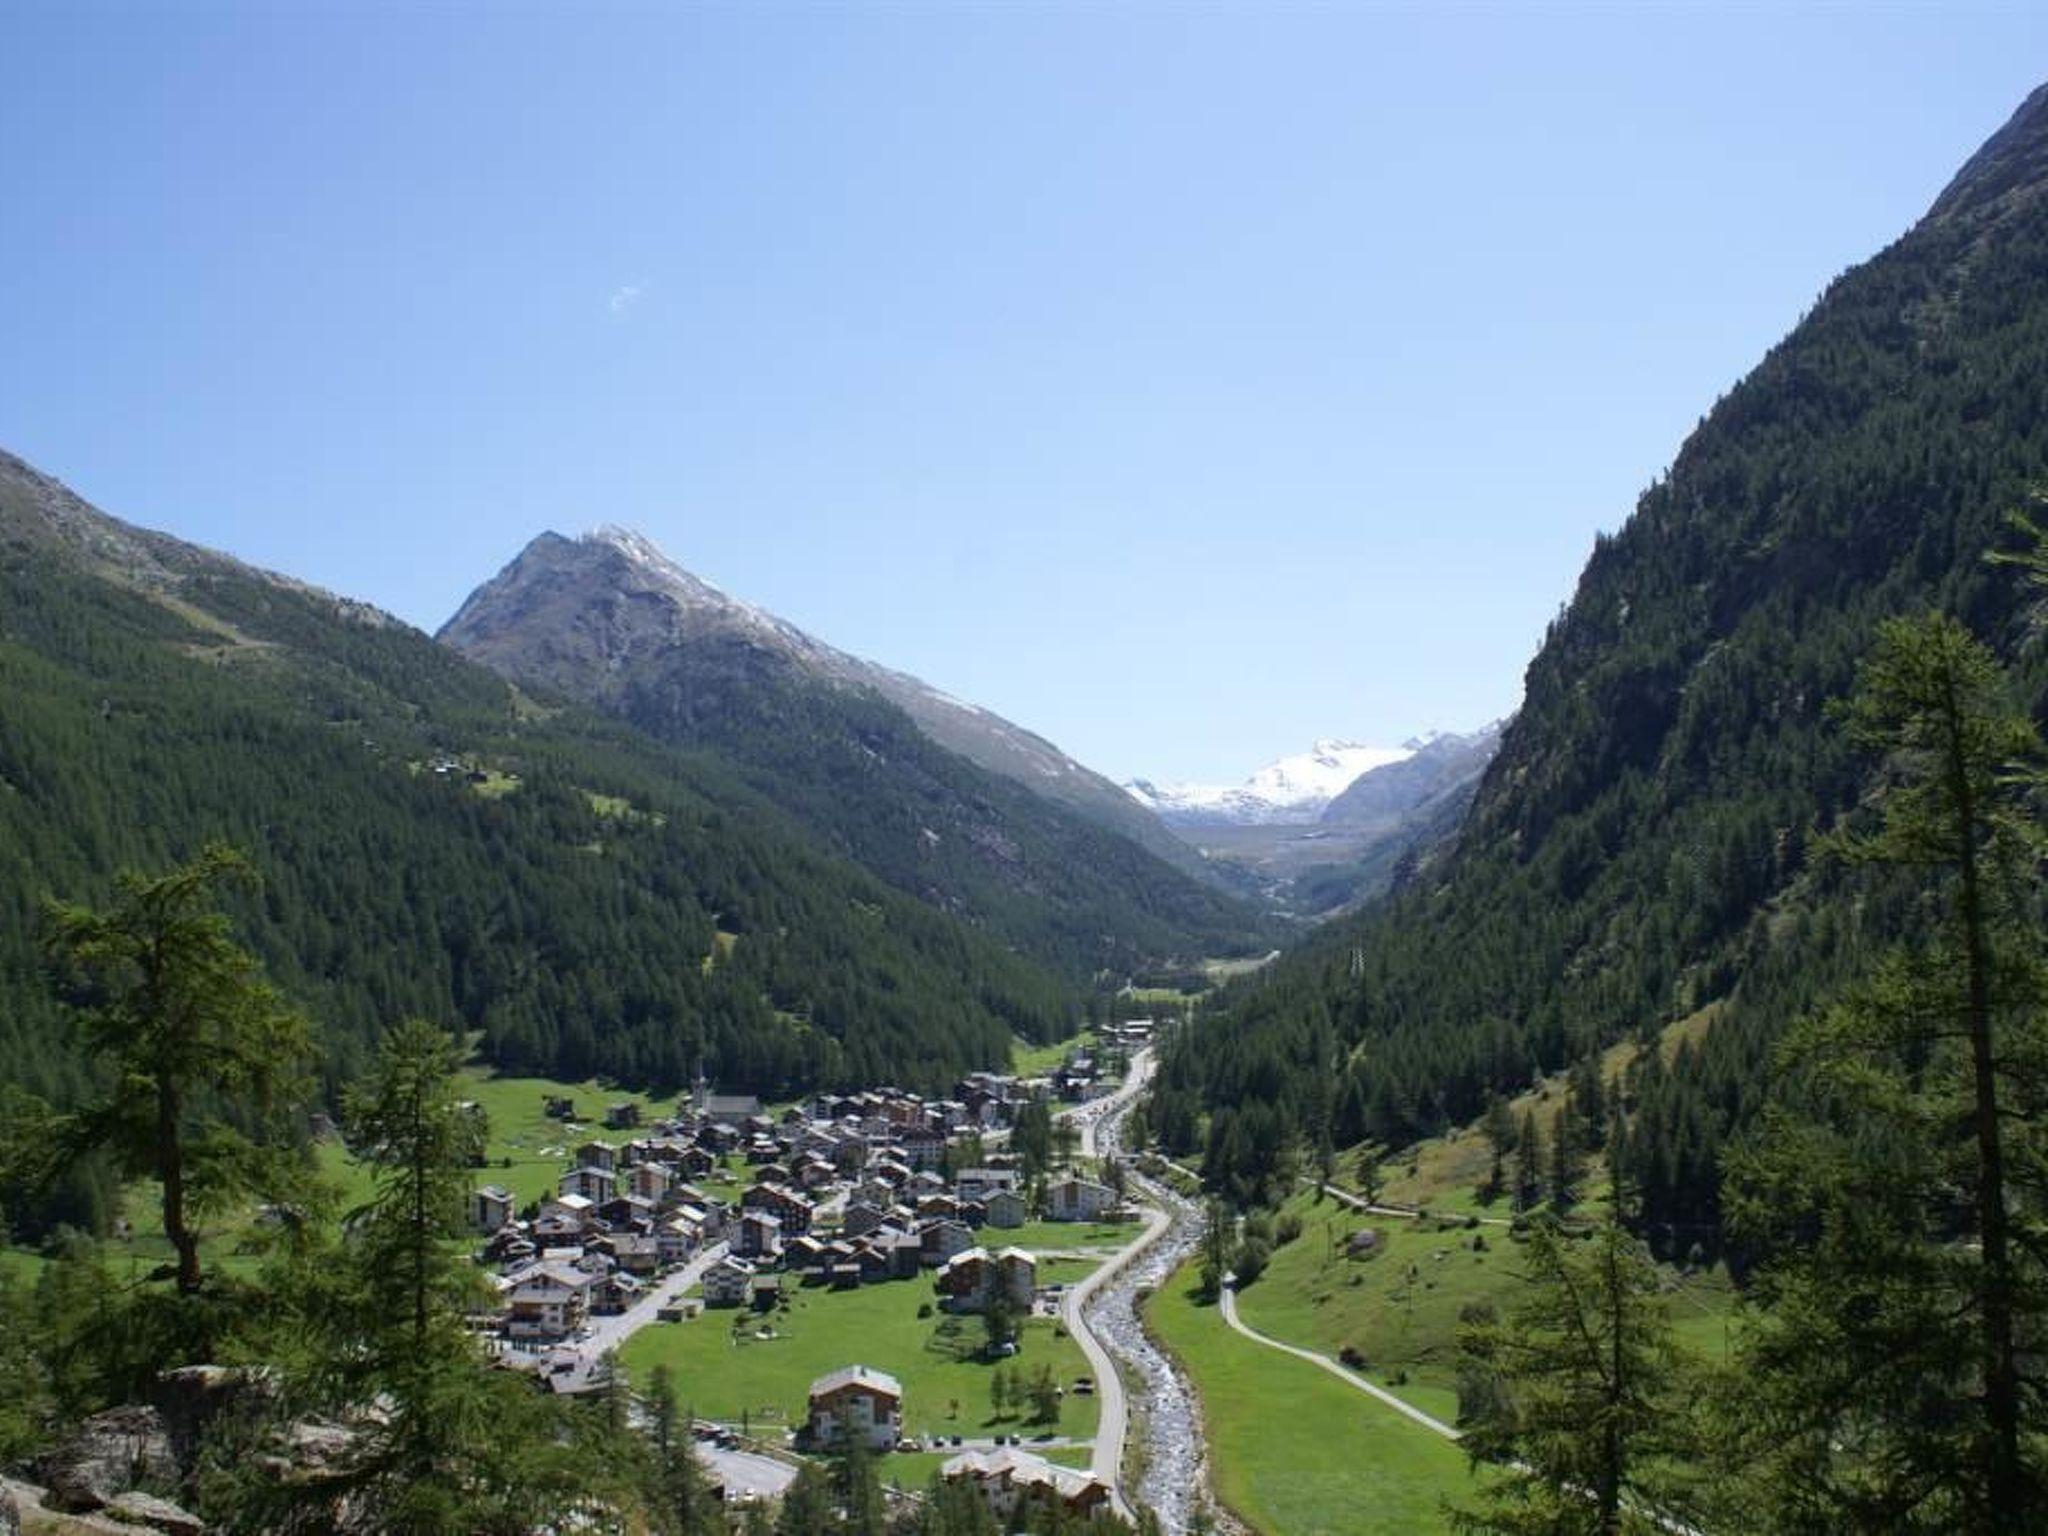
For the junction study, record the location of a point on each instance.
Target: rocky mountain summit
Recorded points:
(587, 615)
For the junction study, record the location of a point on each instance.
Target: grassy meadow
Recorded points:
(1294, 1451)
(724, 1371)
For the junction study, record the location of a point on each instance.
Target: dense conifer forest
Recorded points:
(430, 840)
(1649, 842)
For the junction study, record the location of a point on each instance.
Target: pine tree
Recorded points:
(1585, 1395)
(456, 1447)
(204, 1056)
(1528, 1164)
(1563, 1179)
(1497, 1125)
(1893, 1368)
(679, 1501)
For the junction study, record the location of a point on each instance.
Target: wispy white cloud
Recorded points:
(625, 296)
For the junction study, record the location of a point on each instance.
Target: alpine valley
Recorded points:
(623, 1065)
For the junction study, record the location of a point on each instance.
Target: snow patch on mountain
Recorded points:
(1290, 789)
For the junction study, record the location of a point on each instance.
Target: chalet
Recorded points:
(491, 1208)
(975, 1280)
(650, 1181)
(675, 1240)
(938, 1208)
(1005, 1208)
(903, 1252)
(759, 1237)
(804, 1253)
(628, 1213)
(862, 1216)
(1012, 1481)
(980, 1183)
(555, 1107)
(1078, 1199)
(634, 1254)
(548, 1301)
(615, 1293)
(694, 1162)
(793, 1210)
(510, 1248)
(566, 1216)
(598, 1154)
(856, 1404)
(728, 1283)
(940, 1240)
(623, 1116)
(591, 1182)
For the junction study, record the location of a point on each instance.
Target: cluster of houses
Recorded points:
(858, 1404)
(626, 1212)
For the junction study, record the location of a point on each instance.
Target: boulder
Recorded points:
(10, 1512)
(139, 1508)
(106, 1456)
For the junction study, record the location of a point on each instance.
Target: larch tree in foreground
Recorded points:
(1889, 1378)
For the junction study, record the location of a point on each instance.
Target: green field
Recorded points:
(1399, 1309)
(723, 1375)
(1028, 1060)
(1294, 1451)
(1040, 1236)
(527, 1150)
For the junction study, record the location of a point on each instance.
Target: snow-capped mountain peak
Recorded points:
(1290, 789)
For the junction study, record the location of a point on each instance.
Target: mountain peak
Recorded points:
(1289, 789)
(598, 615)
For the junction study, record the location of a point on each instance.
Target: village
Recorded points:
(729, 1205)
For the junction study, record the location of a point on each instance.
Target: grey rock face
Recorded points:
(157, 1514)
(110, 1454)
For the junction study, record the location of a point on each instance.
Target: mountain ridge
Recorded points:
(482, 626)
(578, 896)
(609, 620)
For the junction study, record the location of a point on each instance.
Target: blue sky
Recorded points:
(1184, 382)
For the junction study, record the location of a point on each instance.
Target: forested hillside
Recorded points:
(1644, 845)
(431, 841)
(608, 621)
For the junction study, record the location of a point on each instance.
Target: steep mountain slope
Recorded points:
(535, 616)
(609, 620)
(433, 841)
(1640, 848)
(1394, 792)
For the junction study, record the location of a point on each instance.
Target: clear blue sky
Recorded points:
(1183, 382)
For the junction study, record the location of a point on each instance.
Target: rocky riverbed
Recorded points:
(1165, 1415)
